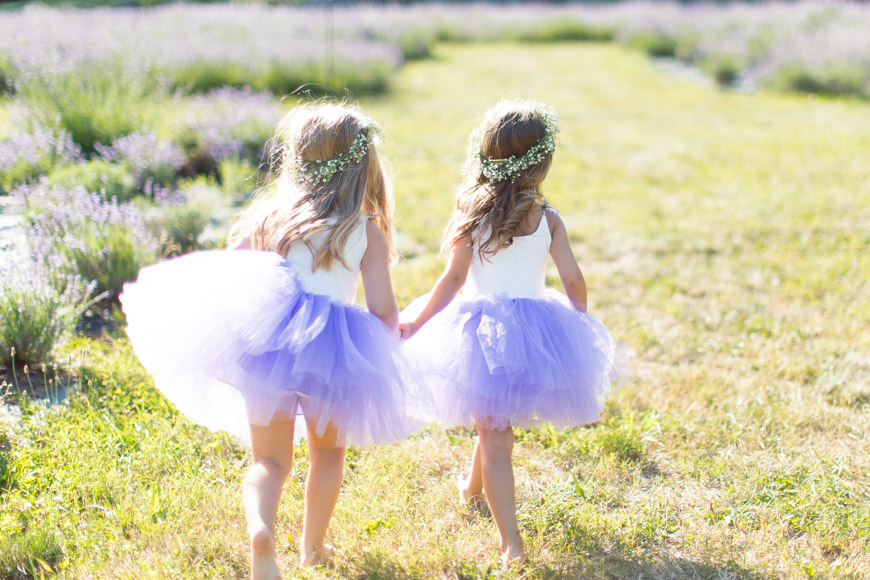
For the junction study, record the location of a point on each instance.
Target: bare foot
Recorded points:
(466, 495)
(263, 563)
(514, 557)
(317, 557)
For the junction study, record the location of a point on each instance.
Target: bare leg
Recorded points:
(471, 484)
(321, 493)
(496, 448)
(272, 455)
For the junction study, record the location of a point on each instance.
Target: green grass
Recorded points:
(127, 102)
(723, 236)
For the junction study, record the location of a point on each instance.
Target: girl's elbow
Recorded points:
(389, 316)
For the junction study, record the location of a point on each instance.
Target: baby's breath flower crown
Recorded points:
(510, 168)
(321, 171)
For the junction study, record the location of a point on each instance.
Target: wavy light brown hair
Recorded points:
(295, 209)
(508, 129)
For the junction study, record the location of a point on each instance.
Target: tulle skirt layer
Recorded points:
(502, 361)
(232, 339)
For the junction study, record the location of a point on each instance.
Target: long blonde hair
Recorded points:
(296, 209)
(510, 129)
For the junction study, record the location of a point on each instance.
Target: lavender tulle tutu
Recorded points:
(231, 338)
(518, 362)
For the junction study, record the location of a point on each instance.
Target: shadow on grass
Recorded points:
(605, 558)
(599, 559)
(376, 566)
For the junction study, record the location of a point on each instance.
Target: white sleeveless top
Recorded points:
(338, 282)
(517, 271)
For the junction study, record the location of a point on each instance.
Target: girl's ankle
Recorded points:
(513, 556)
(316, 556)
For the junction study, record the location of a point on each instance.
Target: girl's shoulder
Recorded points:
(554, 222)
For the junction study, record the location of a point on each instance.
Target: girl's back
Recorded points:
(339, 282)
(518, 270)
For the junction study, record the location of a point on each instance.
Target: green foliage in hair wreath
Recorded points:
(321, 171)
(510, 168)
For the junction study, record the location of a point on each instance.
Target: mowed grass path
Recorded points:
(725, 237)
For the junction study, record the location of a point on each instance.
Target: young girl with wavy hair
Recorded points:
(238, 340)
(507, 352)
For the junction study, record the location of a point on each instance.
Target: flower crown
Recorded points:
(510, 168)
(321, 171)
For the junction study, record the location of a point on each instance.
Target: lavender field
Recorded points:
(722, 226)
(807, 45)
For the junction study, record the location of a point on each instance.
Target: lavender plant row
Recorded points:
(806, 45)
(193, 47)
(809, 45)
(40, 304)
(203, 131)
(102, 241)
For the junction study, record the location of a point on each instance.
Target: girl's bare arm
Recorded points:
(569, 272)
(446, 288)
(375, 270)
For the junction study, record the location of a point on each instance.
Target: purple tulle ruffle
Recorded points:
(518, 362)
(231, 338)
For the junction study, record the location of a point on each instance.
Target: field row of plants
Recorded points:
(124, 112)
(89, 221)
(808, 45)
(151, 123)
(723, 237)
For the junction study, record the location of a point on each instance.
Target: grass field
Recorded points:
(724, 236)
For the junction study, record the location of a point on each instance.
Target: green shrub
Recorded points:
(654, 43)
(565, 30)
(318, 78)
(180, 226)
(225, 123)
(27, 155)
(113, 180)
(150, 161)
(94, 104)
(238, 178)
(688, 45)
(6, 86)
(723, 68)
(416, 44)
(447, 33)
(100, 240)
(39, 307)
(834, 80)
(109, 254)
(203, 76)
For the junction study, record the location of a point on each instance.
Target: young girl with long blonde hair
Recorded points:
(508, 352)
(239, 340)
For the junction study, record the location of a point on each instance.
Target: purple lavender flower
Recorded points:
(40, 304)
(230, 122)
(25, 155)
(100, 240)
(152, 162)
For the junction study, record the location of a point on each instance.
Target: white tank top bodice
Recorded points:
(338, 282)
(517, 271)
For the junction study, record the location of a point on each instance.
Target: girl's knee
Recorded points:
(496, 442)
(328, 439)
(271, 467)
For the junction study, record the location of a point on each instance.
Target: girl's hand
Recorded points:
(407, 330)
